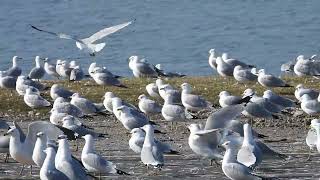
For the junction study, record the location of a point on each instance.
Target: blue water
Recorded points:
(177, 34)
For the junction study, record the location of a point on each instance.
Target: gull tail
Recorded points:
(99, 47)
(262, 136)
(121, 85)
(122, 172)
(287, 85)
(103, 135)
(172, 152)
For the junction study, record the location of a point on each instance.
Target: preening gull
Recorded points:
(50, 68)
(77, 74)
(87, 44)
(306, 67)
(224, 69)
(24, 83)
(309, 105)
(152, 90)
(301, 90)
(137, 138)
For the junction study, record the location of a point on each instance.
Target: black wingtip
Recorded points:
(158, 131)
(121, 86)
(173, 152)
(287, 85)
(120, 172)
(275, 116)
(262, 136)
(152, 123)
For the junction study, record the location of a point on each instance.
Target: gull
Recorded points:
(7, 82)
(50, 68)
(131, 118)
(48, 170)
(117, 102)
(268, 105)
(38, 155)
(85, 105)
(105, 79)
(313, 136)
(173, 112)
(152, 90)
(141, 68)
(148, 106)
(212, 59)
(24, 83)
(309, 105)
(107, 101)
(205, 142)
(63, 69)
(159, 69)
(87, 44)
(234, 62)
(94, 162)
(58, 91)
(278, 100)
(64, 162)
(137, 138)
(224, 69)
(76, 74)
(15, 70)
(249, 154)
(232, 168)
(38, 71)
(34, 100)
(243, 75)
(288, 66)
(306, 67)
(69, 123)
(268, 80)
(301, 90)
(151, 154)
(4, 140)
(21, 146)
(168, 90)
(192, 102)
(226, 99)
(61, 105)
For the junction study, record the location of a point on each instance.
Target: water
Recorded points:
(177, 34)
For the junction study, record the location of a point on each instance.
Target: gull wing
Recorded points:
(59, 35)
(105, 32)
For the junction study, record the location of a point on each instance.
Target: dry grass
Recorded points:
(209, 87)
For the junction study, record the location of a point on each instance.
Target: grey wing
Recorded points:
(221, 117)
(173, 110)
(4, 124)
(64, 93)
(195, 100)
(157, 154)
(257, 110)
(105, 32)
(37, 100)
(311, 138)
(95, 160)
(82, 131)
(49, 129)
(56, 174)
(22, 134)
(235, 62)
(246, 74)
(33, 73)
(163, 146)
(73, 170)
(110, 80)
(271, 107)
(271, 80)
(142, 118)
(145, 68)
(246, 156)
(9, 82)
(238, 171)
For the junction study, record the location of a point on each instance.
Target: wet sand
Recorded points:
(188, 165)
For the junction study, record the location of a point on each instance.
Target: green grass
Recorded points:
(209, 87)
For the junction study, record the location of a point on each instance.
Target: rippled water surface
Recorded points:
(177, 34)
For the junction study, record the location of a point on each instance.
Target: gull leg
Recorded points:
(30, 169)
(309, 156)
(6, 158)
(21, 170)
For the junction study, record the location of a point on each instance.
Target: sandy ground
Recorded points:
(188, 165)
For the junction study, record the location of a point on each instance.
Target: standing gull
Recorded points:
(151, 154)
(131, 118)
(309, 105)
(48, 170)
(243, 75)
(87, 44)
(50, 68)
(94, 162)
(107, 101)
(58, 91)
(38, 155)
(15, 70)
(192, 102)
(64, 162)
(224, 69)
(212, 59)
(148, 106)
(268, 80)
(34, 100)
(105, 79)
(38, 71)
(7, 82)
(85, 105)
(24, 83)
(141, 68)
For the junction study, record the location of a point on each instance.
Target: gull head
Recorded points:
(40, 134)
(109, 95)
(224, 93)
(268, 93)
(224, 56)
(142, 96)
(159, 82)
(300, 58)
(194, 128)
(147, 128)
(15, 58)
(133, 59)
(186, 87)
(211, 51)
(248, 92)
(227, 145)
(137, 131)
(299, 86)
(262, 72)
(315, 123)
(75, 95)
(237, 68)
(87, 137)
(13, 131)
